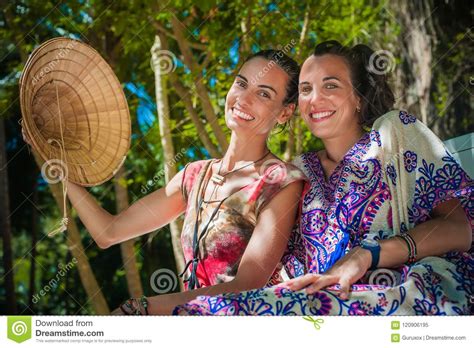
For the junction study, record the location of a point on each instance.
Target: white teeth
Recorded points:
(319, 115)
(243, 115)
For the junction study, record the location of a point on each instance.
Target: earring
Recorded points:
(358, 109)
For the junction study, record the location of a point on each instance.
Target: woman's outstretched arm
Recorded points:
(145, 215)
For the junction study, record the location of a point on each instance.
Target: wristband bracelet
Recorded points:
(412, 253)
(132, 306)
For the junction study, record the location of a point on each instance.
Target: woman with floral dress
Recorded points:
(239, 210)
(386, 227)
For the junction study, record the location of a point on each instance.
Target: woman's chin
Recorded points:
(235, 124)
(323, 132)
(232, 125)
(328, 129)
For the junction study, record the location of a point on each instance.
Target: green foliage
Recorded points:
(123, 32)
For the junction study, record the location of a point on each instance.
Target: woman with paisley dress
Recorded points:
(386, 226)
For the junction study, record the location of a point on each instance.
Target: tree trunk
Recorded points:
(245, 27)
(94, 292)
(202, 133)
(5, 226)
(200, 87)
(162, 107)
(34, 239)
(128, 247)
(416, 43)
(111, 48)
(294, 144)
(67, 299)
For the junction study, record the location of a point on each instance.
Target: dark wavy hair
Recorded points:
(370, 84)
(289, 65)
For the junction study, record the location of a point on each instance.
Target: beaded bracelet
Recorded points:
(133, 306)
(412, 253)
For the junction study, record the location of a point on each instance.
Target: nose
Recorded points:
(244, 98)
(316, 96)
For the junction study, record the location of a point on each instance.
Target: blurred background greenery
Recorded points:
(196, 46)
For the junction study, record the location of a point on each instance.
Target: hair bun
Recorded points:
(332, 46)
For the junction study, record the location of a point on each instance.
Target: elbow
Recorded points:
(103, 244)
(104, 239)
(465, 237)
(466, 243)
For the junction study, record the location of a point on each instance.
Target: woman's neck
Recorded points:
(242, 149)
(337, 148)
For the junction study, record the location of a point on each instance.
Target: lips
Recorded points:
(321, 115)
(242, 115)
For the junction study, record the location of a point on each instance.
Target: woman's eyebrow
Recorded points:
(331, 78)
(269, 87)
(242, 77)
(262, 86)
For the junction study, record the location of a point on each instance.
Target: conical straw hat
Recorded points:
(74, 111)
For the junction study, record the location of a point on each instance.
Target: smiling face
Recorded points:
(327, 99)
(254, 103)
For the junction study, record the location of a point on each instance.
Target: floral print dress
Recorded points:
(386, 184)
(229, 232)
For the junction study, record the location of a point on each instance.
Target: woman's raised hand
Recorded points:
(25, 136)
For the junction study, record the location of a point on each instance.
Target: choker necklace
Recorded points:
(219, 179)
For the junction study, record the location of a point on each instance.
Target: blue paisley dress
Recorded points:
(386, 184)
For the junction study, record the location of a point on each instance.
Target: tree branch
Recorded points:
(200, 87)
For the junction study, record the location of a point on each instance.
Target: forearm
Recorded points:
(95, 218)
(434, 237)
(261, 256)
(165, 304)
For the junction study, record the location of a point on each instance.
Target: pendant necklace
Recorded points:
(219, 179)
